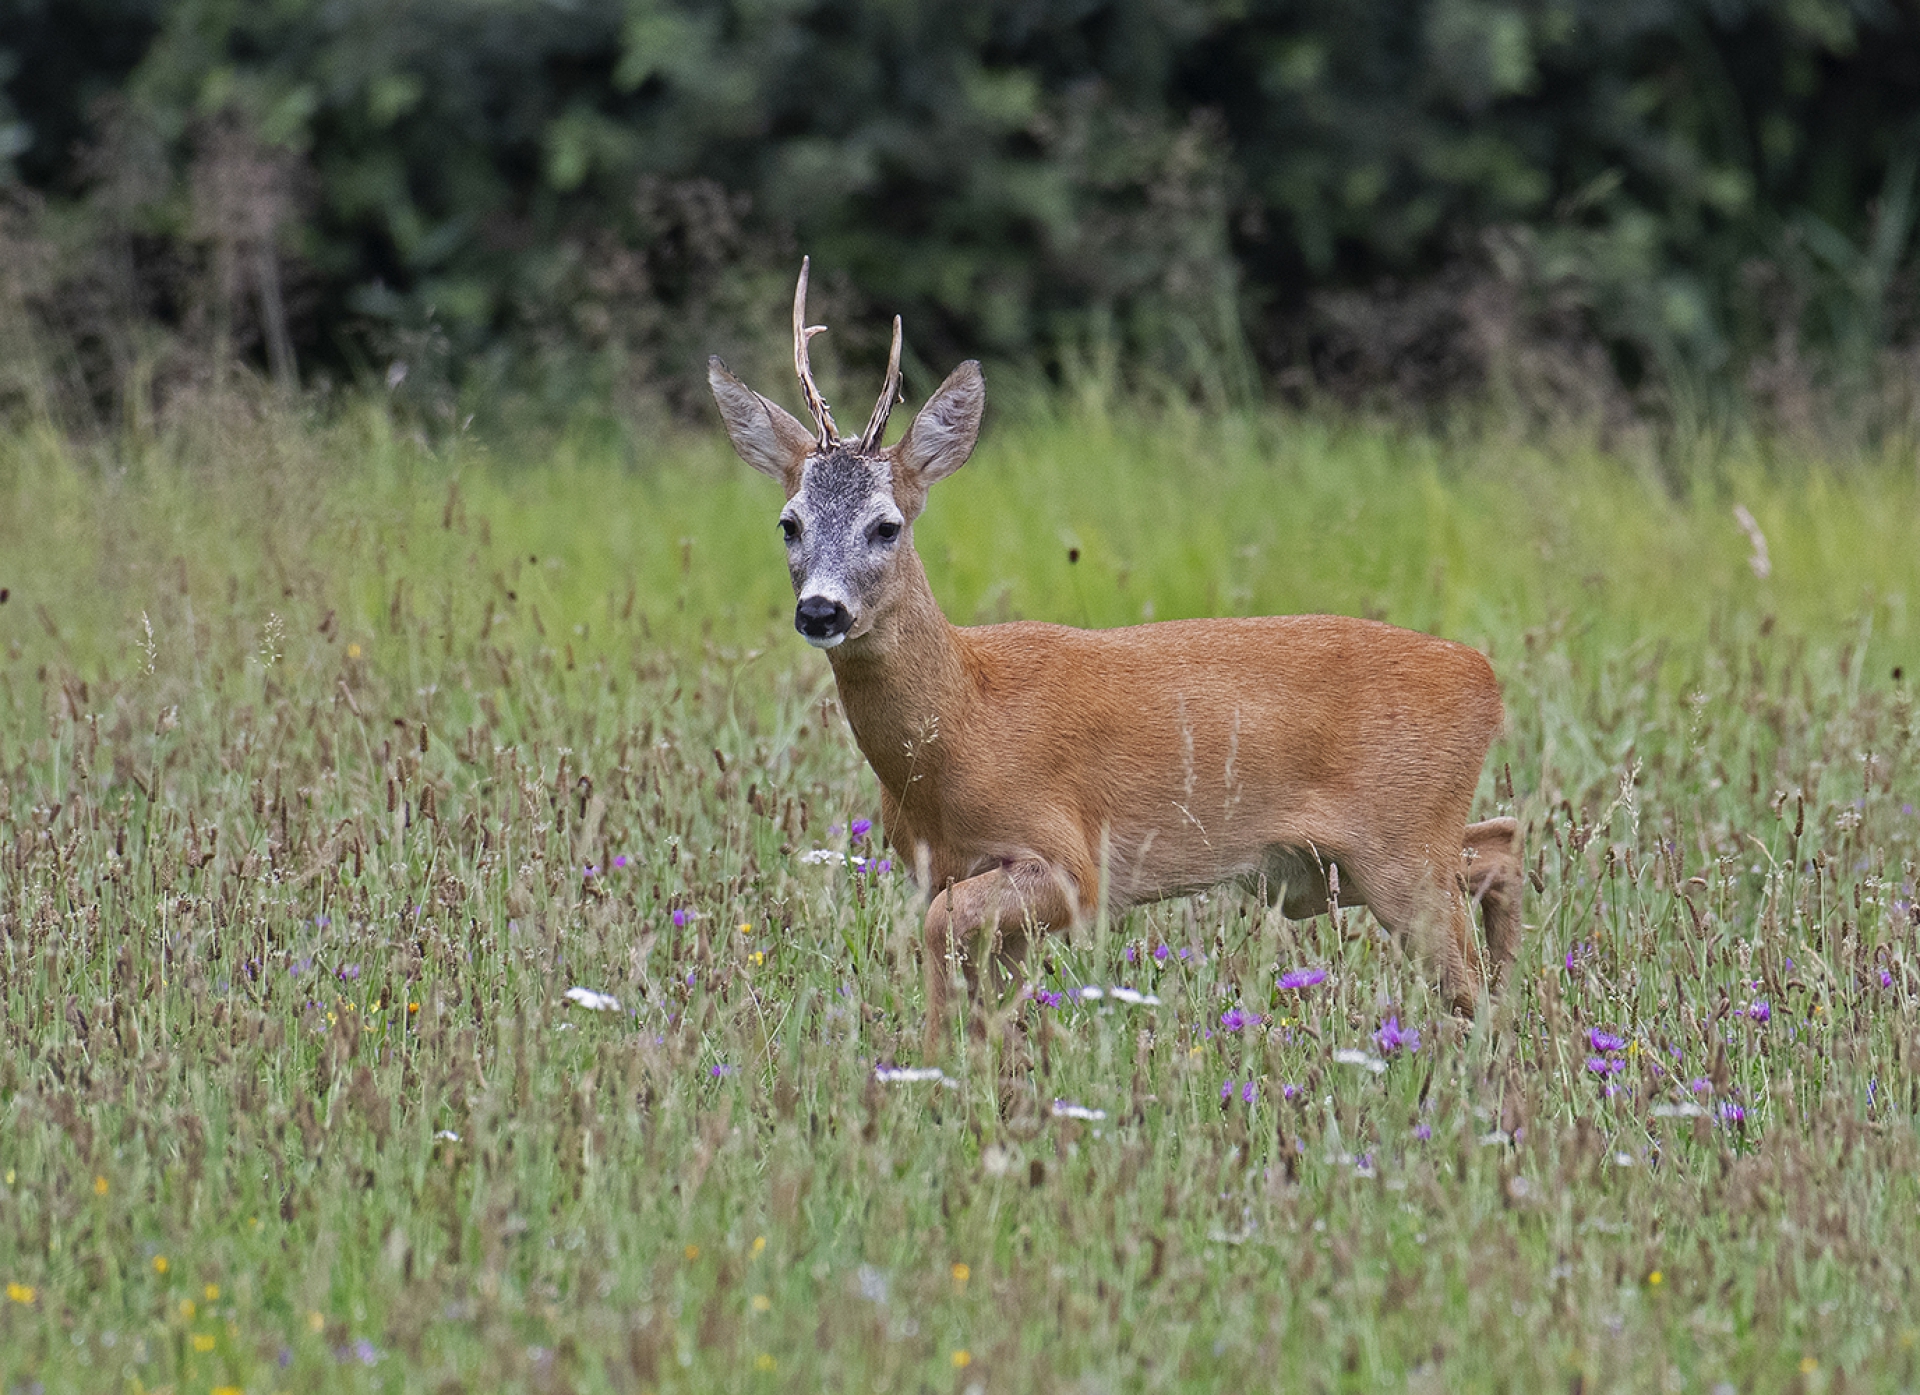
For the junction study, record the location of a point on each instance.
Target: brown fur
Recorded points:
(1018, 762)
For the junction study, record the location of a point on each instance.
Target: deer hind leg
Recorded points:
(1496, 876)
(984, 921)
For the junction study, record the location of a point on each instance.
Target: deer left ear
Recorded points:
(764, 433)
(943, 434)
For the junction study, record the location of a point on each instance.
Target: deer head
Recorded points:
(850, 505)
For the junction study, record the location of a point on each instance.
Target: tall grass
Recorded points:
(329, 763)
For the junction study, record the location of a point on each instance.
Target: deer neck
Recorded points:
(903, 683)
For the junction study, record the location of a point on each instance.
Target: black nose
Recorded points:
(819, 618)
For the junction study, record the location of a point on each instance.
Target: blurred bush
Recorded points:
(1582, 206)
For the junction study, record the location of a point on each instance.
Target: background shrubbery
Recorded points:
(1582, 207)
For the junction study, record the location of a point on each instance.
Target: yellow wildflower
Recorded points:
(213, 1292)
(203, 1341)
(228, 1390)
(1808, 1365)
(1656, 1278)
(961, 1358)
(315, 1322)
(763, 1362)
(187, 1310)
(759, 1243)
(159, 1264)
(961, 1273)
(693, 1252)
(761, 1303)
(100, 1186)
(353, 651)
(20, 1293)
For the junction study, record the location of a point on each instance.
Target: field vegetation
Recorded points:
(332, 758)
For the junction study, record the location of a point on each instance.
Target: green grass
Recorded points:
(308, 732)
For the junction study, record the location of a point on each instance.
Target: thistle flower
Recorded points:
(1601, 1040)
(861, 828)
(1392, 1037)
(1233, 1019)
(1761, 1010)
(1302, 978)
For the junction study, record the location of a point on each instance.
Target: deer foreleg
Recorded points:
(988, 917)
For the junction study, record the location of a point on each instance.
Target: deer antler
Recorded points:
(889, 394)
(802, 332)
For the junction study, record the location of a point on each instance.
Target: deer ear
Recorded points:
(942, 435)
(764, 433)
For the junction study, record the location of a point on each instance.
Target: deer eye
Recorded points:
(886, 530)
(791, 528)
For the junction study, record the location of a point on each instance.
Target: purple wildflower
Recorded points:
(1423, 1131)
(1160, 953)
(1700, 1085)
(347, 971)
(620, 861)
(1393, 1037)
(1761, 1011)
(1226, 1092)
(1731, 1113)
(1886, 979)
(861, 828)
(1605, 1041)
(680, 918)
(1049, 999)
(300, 966)
(1288, 1092)
(1302, 978)
(1248, 1093)
(1605, 1065)
(1132, 956)
(587, 871)
(1233, 1019)
(719, 1070)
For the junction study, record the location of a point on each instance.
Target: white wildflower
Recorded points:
(1347, 1056)
(817, 857)
(592, 1001)
(1062, 1109)
(907, 1075)
(1134, 996)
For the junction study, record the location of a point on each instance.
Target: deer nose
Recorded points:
(822, 621)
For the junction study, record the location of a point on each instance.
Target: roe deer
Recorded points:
(1027, 770)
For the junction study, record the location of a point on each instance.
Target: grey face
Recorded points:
(843, 533)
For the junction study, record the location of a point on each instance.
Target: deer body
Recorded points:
(1027, 770)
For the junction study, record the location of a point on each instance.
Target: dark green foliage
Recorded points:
(609, 191)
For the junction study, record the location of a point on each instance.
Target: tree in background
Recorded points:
(1571, 200)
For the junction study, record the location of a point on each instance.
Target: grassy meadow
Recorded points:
(331, 759)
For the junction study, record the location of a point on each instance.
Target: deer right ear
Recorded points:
(764, 433)
(942, 435)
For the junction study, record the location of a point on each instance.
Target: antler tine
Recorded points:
(802, 332)
(889, 394)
